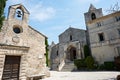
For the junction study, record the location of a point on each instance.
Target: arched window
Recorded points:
(93, 16)
(70, 37)
(19, 14)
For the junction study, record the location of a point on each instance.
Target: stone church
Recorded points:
(104, 34)
(22, 48)
(70, 47)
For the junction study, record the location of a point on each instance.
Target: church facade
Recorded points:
(70, 47)
(103, 33)
(102, 36)
(22, 48)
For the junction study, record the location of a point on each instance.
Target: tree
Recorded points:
(90, 62)
(46, 43)
(86, 51)
(2, 17)
(114, 8)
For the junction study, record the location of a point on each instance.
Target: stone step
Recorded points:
(68, 67)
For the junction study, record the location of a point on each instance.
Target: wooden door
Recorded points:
(11, 68)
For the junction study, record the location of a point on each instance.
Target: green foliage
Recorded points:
(101, 67)
(86, 51)
(80, 63)
(109, 65)
(90, 62)
(2, 6)
(46, 43)
(117, 63)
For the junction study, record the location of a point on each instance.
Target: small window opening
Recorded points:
(70, 37)
(99, 24)
(57, 53)
(17, 29)
(93, 16)
(101, 37)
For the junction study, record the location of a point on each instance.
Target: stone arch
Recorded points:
(19, 13)
(93, 16)
(71, 53)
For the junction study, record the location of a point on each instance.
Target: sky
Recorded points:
(52, 17)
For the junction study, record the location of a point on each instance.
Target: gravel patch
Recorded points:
(82, 75)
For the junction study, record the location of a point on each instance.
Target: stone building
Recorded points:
(104, 34)
(22, 48)
(70, 47)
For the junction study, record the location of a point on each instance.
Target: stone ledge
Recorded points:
(4, 46)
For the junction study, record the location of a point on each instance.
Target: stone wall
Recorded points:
(60, 53)
(76, 35)
(108, 25)
(33, 60)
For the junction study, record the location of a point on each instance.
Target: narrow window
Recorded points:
(101, 37)
(119, 32)
(70, 37)
(93, 16)
(57, 53)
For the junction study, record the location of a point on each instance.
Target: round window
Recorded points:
(17, 29)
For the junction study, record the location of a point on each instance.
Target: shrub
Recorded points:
(101, 67)
(117, 63)
(90, 62)
(109, 65)
(86, 51)
(80, 63)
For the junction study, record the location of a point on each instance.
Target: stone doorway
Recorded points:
(72, 53)
(11, 68)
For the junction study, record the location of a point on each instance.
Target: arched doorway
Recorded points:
(71, 53)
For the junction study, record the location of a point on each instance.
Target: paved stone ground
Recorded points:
(103, 75)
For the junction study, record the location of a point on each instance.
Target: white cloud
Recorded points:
(38, 11)
(12, 2)
(88, 1)
(41, 13)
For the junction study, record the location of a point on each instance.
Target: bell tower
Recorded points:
(18, 12)
(93, 13)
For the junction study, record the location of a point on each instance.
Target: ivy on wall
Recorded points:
(2, 17)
